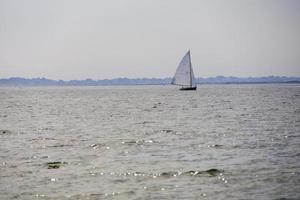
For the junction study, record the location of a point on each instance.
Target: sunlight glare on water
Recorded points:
(150, 142)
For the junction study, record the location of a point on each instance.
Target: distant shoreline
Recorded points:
(18, 81)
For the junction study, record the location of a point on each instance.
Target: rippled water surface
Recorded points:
(150, 142)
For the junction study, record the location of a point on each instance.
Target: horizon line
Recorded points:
(99, 79)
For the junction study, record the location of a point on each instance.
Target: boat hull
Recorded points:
(188, 88)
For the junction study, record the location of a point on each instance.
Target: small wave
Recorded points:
(215, 146)
(96, 196)
(97, 145)
(146, 122)
(297, 111)
(211, 172)
(138, 142)
(171, 174)
(60, 145)
(168, 131)
(156, 105)
(5, 131)
(42, 138)
(55, 164)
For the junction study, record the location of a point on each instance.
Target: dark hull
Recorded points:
(188, 88)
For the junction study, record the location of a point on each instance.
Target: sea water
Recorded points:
(150, 142)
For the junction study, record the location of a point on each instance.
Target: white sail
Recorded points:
(184, 74)
(194, 84)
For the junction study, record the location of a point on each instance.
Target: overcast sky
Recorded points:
(72, 39)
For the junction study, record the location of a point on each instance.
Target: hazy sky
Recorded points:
(72, 39)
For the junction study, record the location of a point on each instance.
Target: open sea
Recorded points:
(150, 142)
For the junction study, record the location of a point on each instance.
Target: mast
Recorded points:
(190, 69)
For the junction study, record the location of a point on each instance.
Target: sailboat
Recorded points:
(184, 74)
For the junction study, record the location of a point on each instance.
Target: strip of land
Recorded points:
(19, 81)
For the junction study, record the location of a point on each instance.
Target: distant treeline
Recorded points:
(17, 81)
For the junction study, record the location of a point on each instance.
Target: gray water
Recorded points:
(150, 142)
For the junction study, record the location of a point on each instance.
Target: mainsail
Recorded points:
(184, 74)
